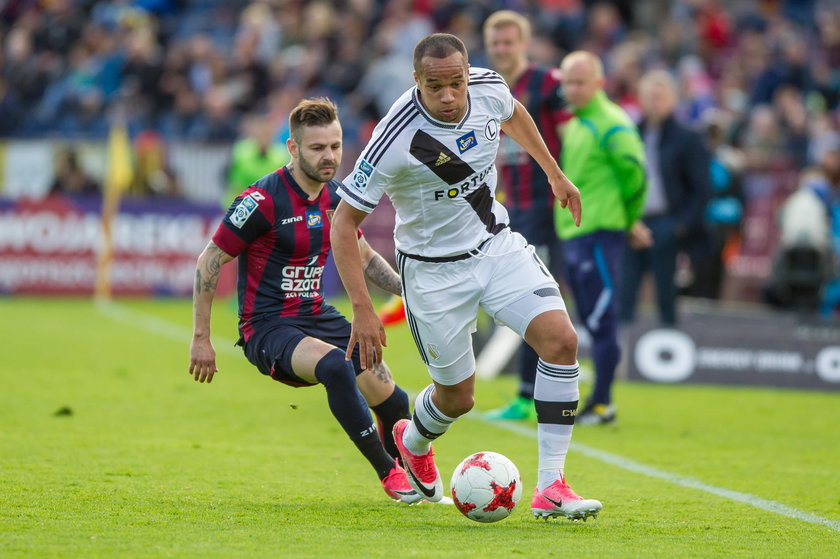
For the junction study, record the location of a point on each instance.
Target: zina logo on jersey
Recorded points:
(288, 220)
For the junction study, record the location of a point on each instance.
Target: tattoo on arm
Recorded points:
(380, 273)
(382, 373)
(207, 274)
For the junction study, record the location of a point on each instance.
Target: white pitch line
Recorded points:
(172, 331)
(685, 481)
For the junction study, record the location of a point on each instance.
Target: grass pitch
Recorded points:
(109, 448)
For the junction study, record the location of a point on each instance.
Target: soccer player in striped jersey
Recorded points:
(279, 227)
(433, 155)
(527, 194)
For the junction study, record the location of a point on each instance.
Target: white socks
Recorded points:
(427, 424)
(556, 397)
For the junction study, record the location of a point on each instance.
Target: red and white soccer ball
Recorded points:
(486, 487)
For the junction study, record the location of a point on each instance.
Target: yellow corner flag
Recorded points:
(117, 179)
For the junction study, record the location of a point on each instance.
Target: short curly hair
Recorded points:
(320, 111)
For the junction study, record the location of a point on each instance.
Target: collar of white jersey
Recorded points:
(416, 100)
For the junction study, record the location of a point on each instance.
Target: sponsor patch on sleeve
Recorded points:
(362, 175)
(243, 211)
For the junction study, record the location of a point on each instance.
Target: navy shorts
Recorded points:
(271, 346)
(592, 269)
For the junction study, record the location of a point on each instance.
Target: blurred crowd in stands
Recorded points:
(760, 78)
(765, 71)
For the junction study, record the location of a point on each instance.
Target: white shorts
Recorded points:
(506, 278)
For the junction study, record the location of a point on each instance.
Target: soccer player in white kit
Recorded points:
(433, 155)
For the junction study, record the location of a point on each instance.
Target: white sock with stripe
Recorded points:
(427, 424)
(556, 398)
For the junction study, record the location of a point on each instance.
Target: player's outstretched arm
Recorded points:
(202, 354)
(377, 269)
(523, 130)
(367, 329)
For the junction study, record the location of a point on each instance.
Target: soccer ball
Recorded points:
(486, 487)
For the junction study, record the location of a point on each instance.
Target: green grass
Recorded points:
(150, 463)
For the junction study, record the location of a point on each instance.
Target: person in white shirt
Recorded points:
(433, 155)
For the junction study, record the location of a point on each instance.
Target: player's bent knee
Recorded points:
(464, 404)
(334, 372)
(457, 406)
(566, 343)
(454, 402)
(559, 346)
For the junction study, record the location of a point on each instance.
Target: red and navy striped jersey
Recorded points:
(526, 187)
(282, 240)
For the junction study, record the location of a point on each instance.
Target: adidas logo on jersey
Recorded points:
(442, 158)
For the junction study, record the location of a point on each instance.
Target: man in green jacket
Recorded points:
(604, 156)
(253, 156)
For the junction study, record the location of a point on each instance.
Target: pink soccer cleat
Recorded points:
(558, 499)
(397, 487)
(423, 475)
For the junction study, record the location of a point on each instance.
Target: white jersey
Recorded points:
(440, 177)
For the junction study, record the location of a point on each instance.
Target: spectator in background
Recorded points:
(793, 121)
(23, 73)
(623, 82)
(803, 260)
(205, 64)
(695, 87)
(724, 211)
(527, 194)
(604, 28)
(220, 121)
(385, 78)
(254, 156)
(603, 155)
(182, 121)
(153, 176)
(677, 178)
(141, 75)
(75, 98)
(173, 84)
(764, 141)
(70, 178)
(10, 109)
(60, 26)
(258, 20)
(248, 77)
(789, 68)
(826, 184)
